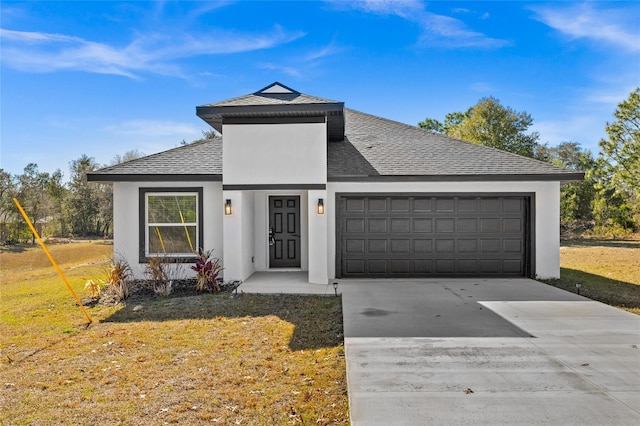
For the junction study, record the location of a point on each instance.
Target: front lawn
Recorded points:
(209, 359)
(608, 270)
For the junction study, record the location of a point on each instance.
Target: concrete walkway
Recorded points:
(478, 351)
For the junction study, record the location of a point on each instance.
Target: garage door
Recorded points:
(431, 236)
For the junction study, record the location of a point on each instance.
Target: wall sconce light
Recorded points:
(320, 206)
(227, 207)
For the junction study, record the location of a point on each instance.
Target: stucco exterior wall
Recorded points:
(294, 153)
(546, 260)
(126, 216)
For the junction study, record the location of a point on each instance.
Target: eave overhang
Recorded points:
(333, 111)
(561, 177)
(135, 177)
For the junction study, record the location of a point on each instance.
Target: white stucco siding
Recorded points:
(264, 154)
(546, 215)
(126, 219)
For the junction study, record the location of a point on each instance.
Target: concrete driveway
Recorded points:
(487, 351)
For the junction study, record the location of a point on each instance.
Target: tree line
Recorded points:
(76, 208)
(605, 203)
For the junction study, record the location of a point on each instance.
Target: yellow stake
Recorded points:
(53, 262)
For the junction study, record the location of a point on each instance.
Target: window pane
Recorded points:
(168, 209)
(172, 240)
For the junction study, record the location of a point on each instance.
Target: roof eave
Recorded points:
(213, 115)
(139, 177)
(561, 177)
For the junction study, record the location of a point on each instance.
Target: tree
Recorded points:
(576, 198)
(8, 212)
(32, 195)
(491, 124)
(127, 156)
(83, 199)
(622, 147)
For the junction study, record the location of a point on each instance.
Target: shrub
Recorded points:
(156, 271)
(118, 282)
(94, 287)
(207, 270)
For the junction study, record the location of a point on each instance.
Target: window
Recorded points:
(170, 223)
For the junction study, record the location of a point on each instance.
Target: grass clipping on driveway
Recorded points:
(246, 359)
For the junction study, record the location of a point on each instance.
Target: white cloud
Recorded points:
(617, 27)
(291, 71)
(328, 50)
(437, 30)
(154, 128)
(150, 53)
(584, 128)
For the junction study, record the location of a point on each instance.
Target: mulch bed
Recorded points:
(143, 289)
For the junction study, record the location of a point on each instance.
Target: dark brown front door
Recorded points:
(284, 232)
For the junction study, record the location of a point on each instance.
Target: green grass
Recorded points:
(609, 271)
(210, 359)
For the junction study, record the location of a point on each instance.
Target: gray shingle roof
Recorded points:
(374, 148)
(397, 149)
(271, 99)
(197, 161)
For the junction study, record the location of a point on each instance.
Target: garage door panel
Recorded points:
(489, 266)
(490, 245)
(401, 246)
(377, 226)
(512, 246)
(402, 205)
(354, 226)
(467, 246)
(467, 266)
(467, 225)
(490, 205)
(422, 236)
(445, 204)
(422, 267)
(377, 266)
(400, 266)
(355, 246)
(377, 205)
(445, 266)
(445, 225)
(422, 246)
(355, 205)
(422, 225)
(468, 205)
(445, 246)
(512, 266)
(512, 204)
(354, 266)
(422, 205)
(377, 246)
(512, 226)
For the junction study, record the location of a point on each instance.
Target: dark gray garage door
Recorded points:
(430, 236)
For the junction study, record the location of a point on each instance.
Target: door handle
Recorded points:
(272, 240)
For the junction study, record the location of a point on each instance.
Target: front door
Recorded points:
(284, 232)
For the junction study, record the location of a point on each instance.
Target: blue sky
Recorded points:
(103, 78)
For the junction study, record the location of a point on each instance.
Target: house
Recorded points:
(297, 182)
